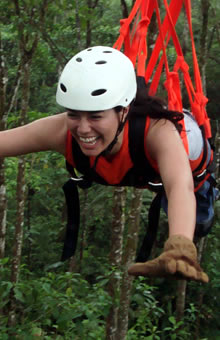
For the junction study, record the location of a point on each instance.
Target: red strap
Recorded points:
(125, 23)
(135, 47)
(198, 107)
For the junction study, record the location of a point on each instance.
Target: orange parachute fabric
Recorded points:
(133, 39)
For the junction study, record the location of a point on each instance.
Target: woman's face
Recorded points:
(94, 131)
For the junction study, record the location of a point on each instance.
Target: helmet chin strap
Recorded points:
(114, 141)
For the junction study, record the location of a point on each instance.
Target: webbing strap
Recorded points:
(73, 213)
(151, 229)
(134, 38)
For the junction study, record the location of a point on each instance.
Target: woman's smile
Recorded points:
(88, 140)
(88, 143)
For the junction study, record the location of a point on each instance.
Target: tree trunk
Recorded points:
(217, 144)
(124, 8)
(180, 299)
(115, 261)
(128, 257)
(205, 5)
(20, 196)
(78, 26)
(27, 46)
(91, 5)
(18, 240)
(3, 119)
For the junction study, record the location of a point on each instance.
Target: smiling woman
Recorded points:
(107, 123)
(94, 131)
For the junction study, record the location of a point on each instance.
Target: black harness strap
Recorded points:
(151, 230)
(142, 170)
(73, 219)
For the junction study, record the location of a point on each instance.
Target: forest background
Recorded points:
(90, 296)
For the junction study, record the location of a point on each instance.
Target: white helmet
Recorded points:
(98, 78)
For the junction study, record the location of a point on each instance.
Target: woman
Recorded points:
(98, 89)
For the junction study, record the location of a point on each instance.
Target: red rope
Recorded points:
(133, 36)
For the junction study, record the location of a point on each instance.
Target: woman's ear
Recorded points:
(124, 112)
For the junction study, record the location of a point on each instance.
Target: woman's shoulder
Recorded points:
(59, 131)
(161, 126)
(51, 132)
(162, 135)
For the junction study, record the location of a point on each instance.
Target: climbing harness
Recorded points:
(133, 40)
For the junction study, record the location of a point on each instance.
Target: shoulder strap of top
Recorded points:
(136, 141)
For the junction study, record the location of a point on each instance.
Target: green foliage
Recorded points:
(52, 306)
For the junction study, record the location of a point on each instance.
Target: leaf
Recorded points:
(172, 320)
(69, 291)
(19, 295)
(36, 331)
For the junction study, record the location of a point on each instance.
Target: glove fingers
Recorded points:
(180, 269)
(149, 268)
(203, 277)
(191, 272)
(188, 271)
(183, 270)
(170, 266)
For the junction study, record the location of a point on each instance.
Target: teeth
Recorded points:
(88, 140)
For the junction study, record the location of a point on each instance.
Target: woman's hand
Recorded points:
(178, 260)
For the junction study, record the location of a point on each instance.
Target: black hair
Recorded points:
(154, 107)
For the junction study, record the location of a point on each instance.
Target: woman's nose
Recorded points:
(84, 126)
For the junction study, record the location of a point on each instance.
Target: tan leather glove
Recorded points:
(178, 260)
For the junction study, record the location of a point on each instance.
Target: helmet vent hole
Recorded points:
(98, 92)
(89, 49)
(100, 62)
(107, 51)
(79, 60)
(63, 87)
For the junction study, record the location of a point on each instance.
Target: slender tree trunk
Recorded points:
(18, 240)
(128, 257)
(180, 299)
(205, 5)
(88, 30)
(13, 98)
(124, 8)
(3, 119)
(201, 248)
(91, 5)
(78, 26)
(3, 209)
(20, 195)
(27, 47)
(115, 261)
(217, 143)
(30, 194)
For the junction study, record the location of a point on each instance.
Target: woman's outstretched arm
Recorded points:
(41, 135)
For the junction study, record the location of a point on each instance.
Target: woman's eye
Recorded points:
(72, 115)
(96, 116)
